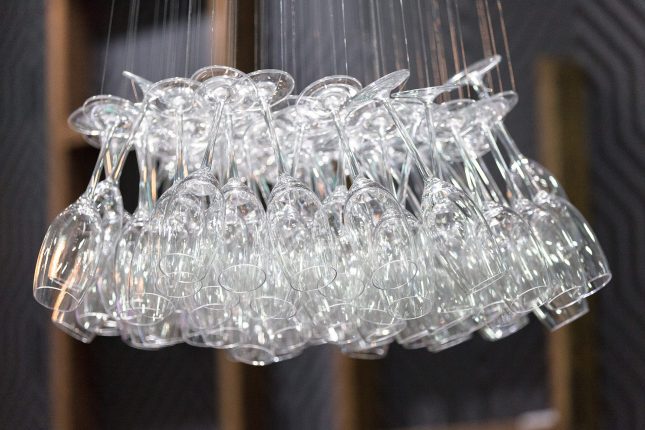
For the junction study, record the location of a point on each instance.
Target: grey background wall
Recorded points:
(174, 389)
(23, 326)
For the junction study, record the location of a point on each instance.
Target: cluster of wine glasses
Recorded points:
(346, 215)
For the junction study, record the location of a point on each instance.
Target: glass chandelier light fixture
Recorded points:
(355, 216)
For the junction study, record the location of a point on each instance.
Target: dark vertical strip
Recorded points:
(23, 205)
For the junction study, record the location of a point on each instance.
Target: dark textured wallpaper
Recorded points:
(23, 324)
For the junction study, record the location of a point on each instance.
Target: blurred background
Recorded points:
(579, 68)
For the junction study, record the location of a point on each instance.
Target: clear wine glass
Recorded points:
(559, 247)
(292, 206)
(530, 280)
(71, 250)
(528, 174)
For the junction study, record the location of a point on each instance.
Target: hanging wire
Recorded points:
(342, 9)
(107, 46)
(332, 35)
(379, 38)
(213, 44)
(198, 37)
(493, 45)
(165, 52)
(395, 37)
(293, 40)
(424, 47)
(130, 52)
(375, 48)
(153, 59)
(460, 36)
(233, 32)
(282, 41)
(454, 43)
(484, 28)
(405, 35)
(188, 36)
(507, 49)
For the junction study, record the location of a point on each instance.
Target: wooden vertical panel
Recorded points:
(230, 392)
(345, 392)
(66, 72)
(561, 136)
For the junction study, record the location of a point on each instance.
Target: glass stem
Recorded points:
(296, 151)
(516, 157)
(181, 169)
(147, 178)
(98, 167)
(209, 154)
(476, 186)
(126, 147)
(387, 177)
(512, 189)
(407, 139)
(406, 168)
(432, 134)
(268, 118)
(342, 139)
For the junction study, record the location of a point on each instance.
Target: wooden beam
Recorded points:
(65, 74)
(230, 393)
(561, 137)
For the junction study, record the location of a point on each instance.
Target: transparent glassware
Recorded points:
(504, 326)
(528, 175)
(71, 250)
(380, 227)
(563, 258)
(441, 202)
(92, 313)
(556, 318)
(185, 219)
(66, 321)
(291, 206)
(529, 281)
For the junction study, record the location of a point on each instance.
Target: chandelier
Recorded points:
(355, 216)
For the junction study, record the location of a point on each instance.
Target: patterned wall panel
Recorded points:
(23, 324)
(610, 46)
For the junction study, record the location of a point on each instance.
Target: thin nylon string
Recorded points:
(379, 38)
(375, 63)
(165, 51)
(152, 57)
(342, 9)
(439, 44)
(332, 35)
(460, 35)
(424, 46)
(483, 28)
(398, 63)
(233, 33)
(198, 35)
(188, 36)
(282, 42)
(453, 40)
(493, 45)
(405, 35)
(107, 47)
(293, 39)
(129, 57)
(174, 18)
(212, 31)
(507, 49)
